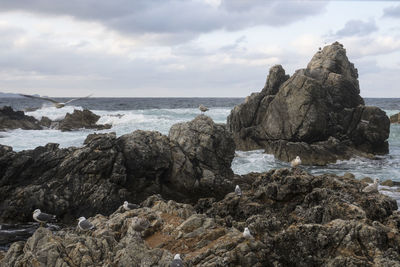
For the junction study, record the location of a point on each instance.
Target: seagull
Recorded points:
(55, 103)
(295, 162)
(238, 191)
(247, 234)
(372, 188)
(177, 262)
(85, 225)
(130, 206)
(42, 217)
(203, 108)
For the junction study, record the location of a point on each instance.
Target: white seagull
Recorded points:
(372, 187)
(238, 191)
(247, 234)
(42, 217)
(296, 162)
(85, 225)
(177, 262)
(130, 206)
(55, 103)
(203, 108)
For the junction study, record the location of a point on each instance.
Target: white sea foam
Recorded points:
(52, 112)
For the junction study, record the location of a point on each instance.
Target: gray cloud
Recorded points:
(173, 16)
(357, 28)
(393, 12)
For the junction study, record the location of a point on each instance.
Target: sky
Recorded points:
(182, 48)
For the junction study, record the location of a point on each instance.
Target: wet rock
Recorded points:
(10, 119)
(81, 119)
(368, 180)
(316, 114)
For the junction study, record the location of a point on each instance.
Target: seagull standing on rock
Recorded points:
(85, 225)
(247, 234)
(177, 262)
(238, 191)
(129, 206)
(296, 162)
(203, 108)
(42, 217)
(372, 188)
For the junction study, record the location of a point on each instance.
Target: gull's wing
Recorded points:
(86, 225)
(132, 206)
(39, 97)
(45, 217)
(69, 101)
(177, 263)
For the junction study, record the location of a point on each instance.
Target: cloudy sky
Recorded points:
(216, 48)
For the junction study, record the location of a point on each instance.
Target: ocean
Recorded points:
(159, 114)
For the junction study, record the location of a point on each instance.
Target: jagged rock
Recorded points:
(202, 154)
(108, 170)
(10, 119)
(316, 114)
(395, 118)
(296, 219)
(81, 119)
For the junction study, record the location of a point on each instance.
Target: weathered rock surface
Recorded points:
(81, 119)
(296, 219)
(395, 118)
(10, 119)
(317, 114)
(98, 177)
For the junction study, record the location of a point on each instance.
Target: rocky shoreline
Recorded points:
(296, 219)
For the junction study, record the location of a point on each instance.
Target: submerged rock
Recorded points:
(296, 219)
(316, 114)
(100, 176)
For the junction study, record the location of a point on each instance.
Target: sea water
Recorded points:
(159, 114)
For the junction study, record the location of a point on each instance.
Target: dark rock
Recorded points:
(100, 176)
(368, 180)
(296, 219)
(395, 118)
(45, 121)
(10, 119)
(316, 114)
(81, 119)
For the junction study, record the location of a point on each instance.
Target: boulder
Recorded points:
(10, 119)
(107, 170)
(296, 219)
(395, 118)
(316, 114)
(81, 119)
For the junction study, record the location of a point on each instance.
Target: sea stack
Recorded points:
(317, 113)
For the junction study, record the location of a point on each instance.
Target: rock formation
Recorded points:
(10, 119)
(98, 177)
(395, 118)
(316, 114)
(296, 219)
(81, 119)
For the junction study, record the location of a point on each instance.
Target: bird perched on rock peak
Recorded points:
(42, 217)
(372, 187)
(203, 108)
(296, 162)
(177, 261)
(130, 206)
(247, 234)
(238, 191)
